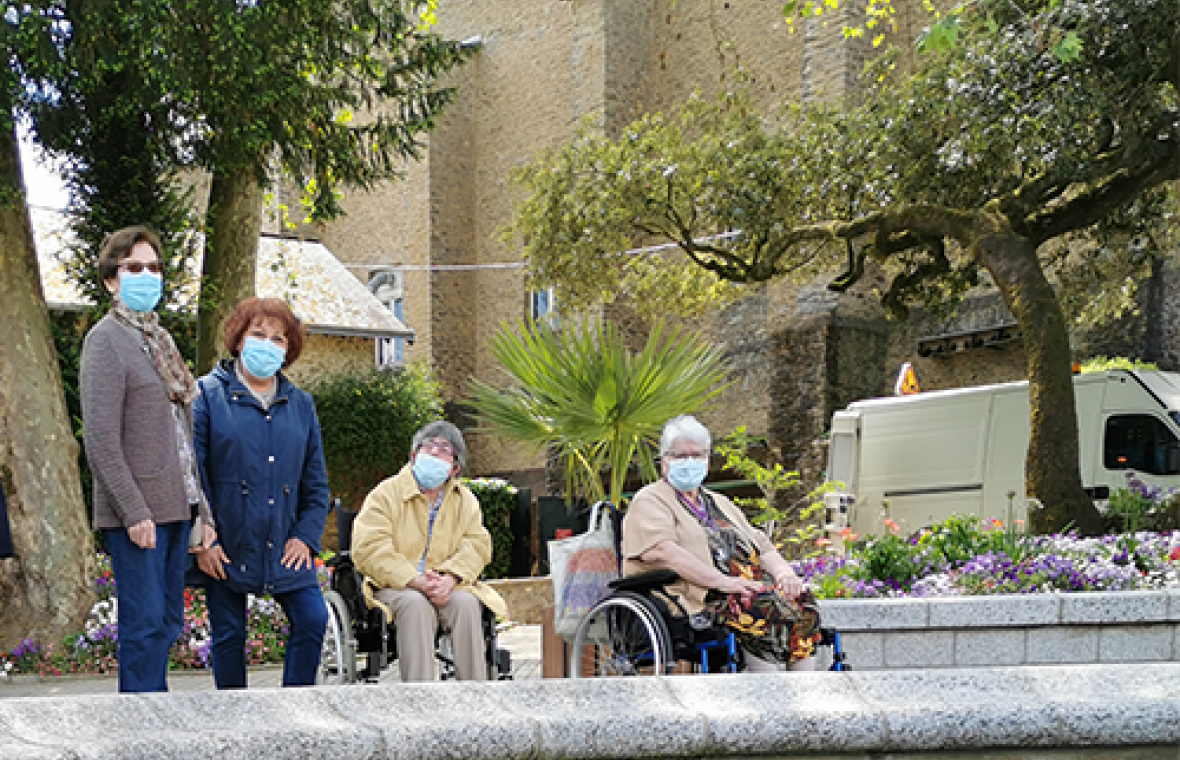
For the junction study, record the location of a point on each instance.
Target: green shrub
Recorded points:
(497, 498)
(1142, 506)
(795, 523)
(367, 421)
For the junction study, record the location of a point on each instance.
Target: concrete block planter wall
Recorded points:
(1015, 629)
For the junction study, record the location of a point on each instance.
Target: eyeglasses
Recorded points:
(135, 267)
(439, 447)
(684, 456)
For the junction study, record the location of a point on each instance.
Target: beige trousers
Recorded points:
(417, 622)
(759, 665)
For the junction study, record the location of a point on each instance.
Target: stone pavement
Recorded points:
(523, 641)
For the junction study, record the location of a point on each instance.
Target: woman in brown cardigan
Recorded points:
(137, 428)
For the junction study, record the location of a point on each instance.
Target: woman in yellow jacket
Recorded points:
(420, 542)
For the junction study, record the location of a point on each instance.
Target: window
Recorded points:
(391, 351)
(541, 307)
(1140, 442)
(386, 286)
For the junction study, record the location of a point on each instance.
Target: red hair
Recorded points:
(251, 309)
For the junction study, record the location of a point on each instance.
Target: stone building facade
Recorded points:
(544, 66)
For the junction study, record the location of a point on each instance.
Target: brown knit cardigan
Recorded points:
(129, 432)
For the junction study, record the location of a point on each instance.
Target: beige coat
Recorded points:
(389, 536)
(656, 515)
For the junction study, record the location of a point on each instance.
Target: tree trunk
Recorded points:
(45, 590)
(1052, 473)
(231, 250)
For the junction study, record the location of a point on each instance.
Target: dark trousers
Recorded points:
(149, 586)
(6, 549)
(306, 614)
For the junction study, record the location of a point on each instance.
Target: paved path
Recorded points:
(523, 641)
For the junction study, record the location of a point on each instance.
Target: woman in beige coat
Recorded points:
(420, 542)
(729, 572)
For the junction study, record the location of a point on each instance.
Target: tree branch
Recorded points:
(1157, 162)
(938, 265)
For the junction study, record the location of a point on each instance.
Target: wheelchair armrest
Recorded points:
(644, 582)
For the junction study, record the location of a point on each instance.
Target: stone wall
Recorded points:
(325, 356)
(1025, 629)
(1098, 711)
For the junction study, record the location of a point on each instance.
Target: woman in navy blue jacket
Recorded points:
(262, 466)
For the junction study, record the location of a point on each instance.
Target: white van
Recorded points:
(918, 459)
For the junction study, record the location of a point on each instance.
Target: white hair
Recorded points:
(684, 426)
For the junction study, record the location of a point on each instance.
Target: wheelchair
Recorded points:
(641, 630)
(356, 633)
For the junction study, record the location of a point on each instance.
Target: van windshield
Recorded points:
(1140, 442)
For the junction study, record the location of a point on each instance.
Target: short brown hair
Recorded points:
(118, 246)
(251, 309)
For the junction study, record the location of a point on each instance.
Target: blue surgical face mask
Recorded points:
(687, 474)
(261, 358)
(140, 292)
(430, 471)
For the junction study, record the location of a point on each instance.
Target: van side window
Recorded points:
(1140, 442)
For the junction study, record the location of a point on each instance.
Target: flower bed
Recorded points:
(968, 556)
(92, 651)
(964, 556)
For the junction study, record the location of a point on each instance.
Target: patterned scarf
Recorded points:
(769, 625)
(180, 383)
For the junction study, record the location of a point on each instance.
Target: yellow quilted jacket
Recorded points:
(389, 536)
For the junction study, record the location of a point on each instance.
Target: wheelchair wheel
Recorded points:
(624, 635)
(338, 657)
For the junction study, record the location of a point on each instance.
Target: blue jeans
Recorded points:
(306, 614)
(149, 585)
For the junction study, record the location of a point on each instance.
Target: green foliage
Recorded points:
(708, 177)
(1103, 363)
(957, 539)
(367, 422)
(1129, 507)
(961, 537)
(1142, 506)
(594, 403)
(794, 524)
(889, 556)
(497, 499)
(292, 77)
(220, 85)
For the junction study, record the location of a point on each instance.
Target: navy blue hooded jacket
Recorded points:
(263, 472)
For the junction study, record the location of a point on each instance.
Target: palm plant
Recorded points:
(595, 404)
